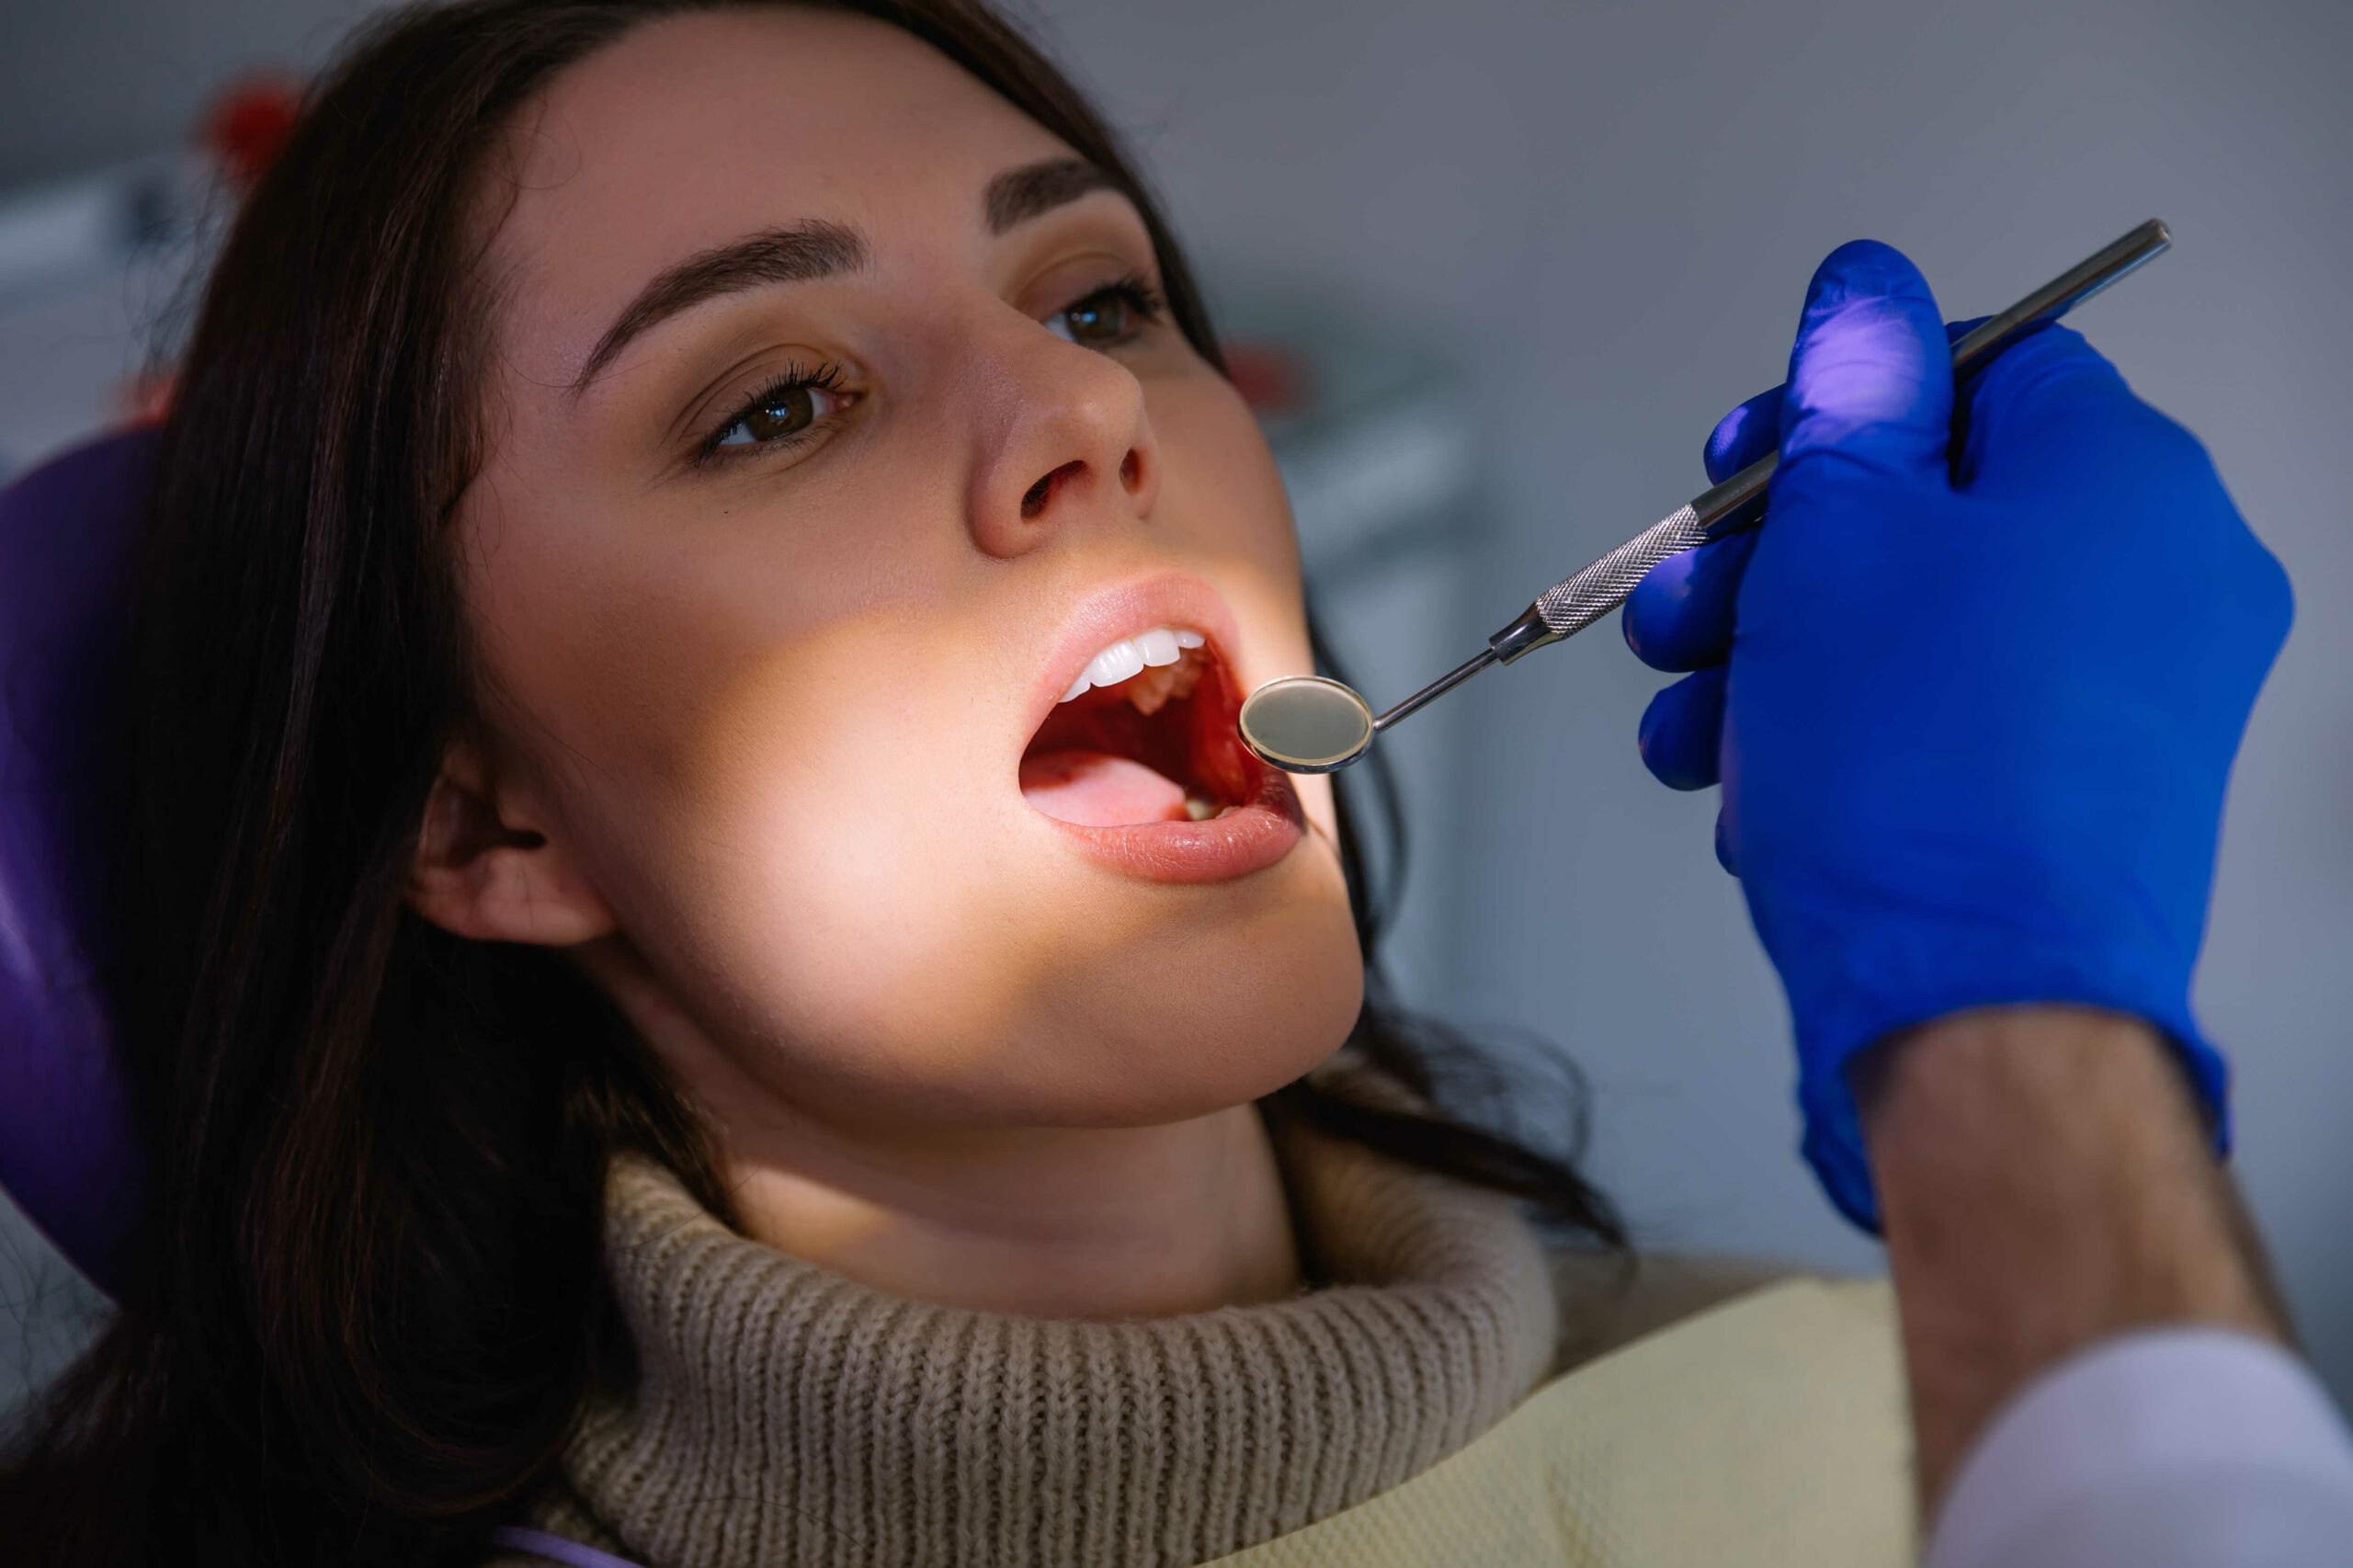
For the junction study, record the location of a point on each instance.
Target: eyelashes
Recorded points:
(1102, 317)
(1138, 291)
(781, 413)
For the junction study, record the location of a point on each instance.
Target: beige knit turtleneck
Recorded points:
(786, 1416)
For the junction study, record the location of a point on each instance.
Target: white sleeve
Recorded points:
(2187, 1448)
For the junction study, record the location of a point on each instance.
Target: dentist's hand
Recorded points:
(1972, 691)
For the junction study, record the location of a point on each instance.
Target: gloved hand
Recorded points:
(1973, 690)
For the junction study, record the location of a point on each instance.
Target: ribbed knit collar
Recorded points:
(786, 1416)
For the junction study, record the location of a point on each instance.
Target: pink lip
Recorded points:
(1247, 837)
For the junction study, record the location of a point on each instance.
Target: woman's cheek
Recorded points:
(836, 823)
(1220, 485)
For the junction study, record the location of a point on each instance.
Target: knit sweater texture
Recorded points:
(785, 1416)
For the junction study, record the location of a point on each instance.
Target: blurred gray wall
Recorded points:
(1607, 213)
(87, 82)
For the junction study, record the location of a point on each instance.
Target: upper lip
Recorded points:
(1173, 599)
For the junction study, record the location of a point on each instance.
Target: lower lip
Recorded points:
(1246, 838)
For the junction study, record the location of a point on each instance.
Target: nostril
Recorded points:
(1130, 471)
(1034, 499)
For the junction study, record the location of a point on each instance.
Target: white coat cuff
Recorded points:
(2182, 1448)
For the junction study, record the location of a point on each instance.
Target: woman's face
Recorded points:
(836, 432)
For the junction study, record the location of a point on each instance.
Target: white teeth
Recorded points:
(1155, 648)
(1114, 663)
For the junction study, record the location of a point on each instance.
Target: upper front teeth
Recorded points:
(1130, 654)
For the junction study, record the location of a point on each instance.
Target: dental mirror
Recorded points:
(1308, 724)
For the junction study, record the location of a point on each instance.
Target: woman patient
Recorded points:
(712, 978)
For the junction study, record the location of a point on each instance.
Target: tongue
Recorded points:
(1093, 789)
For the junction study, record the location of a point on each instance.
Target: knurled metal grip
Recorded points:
(1569, 605)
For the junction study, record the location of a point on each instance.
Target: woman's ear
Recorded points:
(485, 870)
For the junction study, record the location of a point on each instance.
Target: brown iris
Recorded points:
(787, 411)
(1103, 318)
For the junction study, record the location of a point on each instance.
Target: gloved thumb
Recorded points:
(1870, 377)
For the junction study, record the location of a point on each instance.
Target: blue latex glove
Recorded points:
(1972, 691)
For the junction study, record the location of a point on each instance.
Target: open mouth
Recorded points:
(1147, 735)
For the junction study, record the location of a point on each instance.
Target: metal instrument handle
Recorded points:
(1577, 601)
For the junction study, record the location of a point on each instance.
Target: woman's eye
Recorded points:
(1098, 320)
(778, 413)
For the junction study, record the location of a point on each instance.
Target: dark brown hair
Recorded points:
(369, 1300)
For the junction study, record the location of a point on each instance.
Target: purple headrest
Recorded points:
(68, 1151)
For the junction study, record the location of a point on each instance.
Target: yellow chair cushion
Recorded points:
(1769, 1431)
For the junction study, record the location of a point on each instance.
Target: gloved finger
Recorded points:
(1728, 803)
(1682, 733)
(1747, 433)
(1753, 429)
(1679, 616)
(1870, 377)
(2015, 405)
(1957, 330)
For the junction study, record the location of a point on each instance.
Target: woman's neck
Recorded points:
(1128, 1223)
(1044, 1221)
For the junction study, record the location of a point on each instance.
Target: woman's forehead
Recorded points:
(695, 130)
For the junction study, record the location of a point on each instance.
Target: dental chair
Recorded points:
(69, 1154)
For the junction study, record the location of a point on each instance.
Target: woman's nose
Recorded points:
(1067, 443)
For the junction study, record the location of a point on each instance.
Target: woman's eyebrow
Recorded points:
(1019, 195)
(797, 254)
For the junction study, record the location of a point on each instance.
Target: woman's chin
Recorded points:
(1231, 1028)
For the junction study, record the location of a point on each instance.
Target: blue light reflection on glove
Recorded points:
(1972, 692)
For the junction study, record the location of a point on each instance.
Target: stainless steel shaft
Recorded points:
(1578, 600)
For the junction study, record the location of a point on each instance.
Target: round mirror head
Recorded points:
(1306, 724)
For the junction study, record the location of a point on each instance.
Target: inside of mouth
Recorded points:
(1159, 746)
